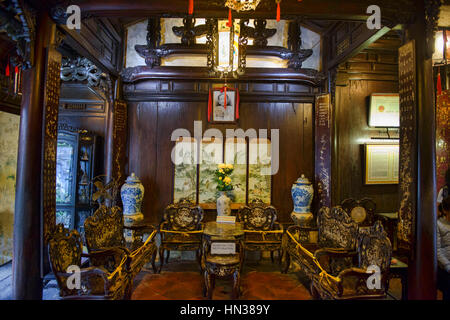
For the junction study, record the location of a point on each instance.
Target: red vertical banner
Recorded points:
(323, 150)
(442, 137)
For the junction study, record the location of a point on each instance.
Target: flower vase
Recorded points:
(223, 205)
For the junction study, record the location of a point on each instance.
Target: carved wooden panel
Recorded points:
(120, 140)
(323, 149)
(443, 137)
(408, 148)
(51, 103)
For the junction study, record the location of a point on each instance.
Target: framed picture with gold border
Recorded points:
(381, 163)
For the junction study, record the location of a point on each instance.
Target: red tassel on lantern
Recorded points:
(439, 84)
(16, 70)
(278, 12)
(7, 73)
(209, 105)
(225, 97)
(229, 18)
(191, 7)
(237, 103)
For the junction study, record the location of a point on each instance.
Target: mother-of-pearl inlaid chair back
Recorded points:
(183, 216)
(336, 228)
(361, 211)
(104, 229)
(257, 216)
(374, 248)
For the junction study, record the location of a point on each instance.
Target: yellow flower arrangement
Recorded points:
(223, 180)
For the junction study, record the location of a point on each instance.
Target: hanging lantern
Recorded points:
(228, 46)
(242, 5)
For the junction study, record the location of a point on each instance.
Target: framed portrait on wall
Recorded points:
(382, 163)
(224, 105)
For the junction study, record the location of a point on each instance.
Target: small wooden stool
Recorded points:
(222, 264)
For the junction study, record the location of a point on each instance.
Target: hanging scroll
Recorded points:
(323, 149)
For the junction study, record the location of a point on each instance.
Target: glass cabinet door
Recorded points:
(64, 173)
(66, 177)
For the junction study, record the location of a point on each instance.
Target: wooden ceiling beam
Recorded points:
(313, 9)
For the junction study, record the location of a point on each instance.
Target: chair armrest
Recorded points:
(144, 227)
(107, 251)
(334, 252)
(89, 279)
(99, 258)
(277, 226)
(361, 288)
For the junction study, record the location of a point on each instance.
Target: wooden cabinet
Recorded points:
(77, 154)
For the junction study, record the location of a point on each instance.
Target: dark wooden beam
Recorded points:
(323, 9)
(351, 45)
(308, 76)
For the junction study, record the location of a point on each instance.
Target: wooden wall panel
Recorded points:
(352, 130)
(152, 123)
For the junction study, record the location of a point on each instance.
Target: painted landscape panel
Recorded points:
(211, 154)
(236, 154)
(259, 169)
(9, 142)
(185, 184)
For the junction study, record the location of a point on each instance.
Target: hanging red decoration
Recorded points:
(209, 105)
(7, 73)
(191, 7)
(237, 103)
(224, 89)
(16, 70)
(230, 18)
(439, 84)
(278, 11)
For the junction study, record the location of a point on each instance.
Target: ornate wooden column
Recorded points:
(417, 215)
(35, 185)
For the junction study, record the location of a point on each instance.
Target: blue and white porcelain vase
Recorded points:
(132, 193)
(302, 195)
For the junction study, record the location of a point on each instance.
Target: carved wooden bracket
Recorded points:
(189, 31)
(259, 33)
(18, 21)
(153, 51)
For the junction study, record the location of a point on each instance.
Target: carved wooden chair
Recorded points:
(262, 232)
(96, 282)
(374, 250)
(361, 211)
(221, 265)
(105, 230)
(337, 232)
(181, 229)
